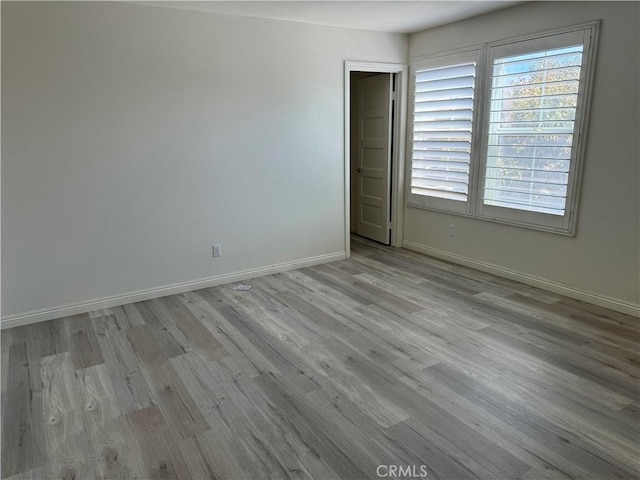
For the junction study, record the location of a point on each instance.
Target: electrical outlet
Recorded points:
(217, 250)
(452, 230)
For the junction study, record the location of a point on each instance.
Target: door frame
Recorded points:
(398, 156)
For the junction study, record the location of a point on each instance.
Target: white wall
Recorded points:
(135, 137)
(603, 258)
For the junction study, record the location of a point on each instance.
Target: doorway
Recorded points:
(375, 105)
(372, 110)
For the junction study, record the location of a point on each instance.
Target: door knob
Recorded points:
(358, 170)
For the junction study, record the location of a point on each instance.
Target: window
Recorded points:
(508, 151)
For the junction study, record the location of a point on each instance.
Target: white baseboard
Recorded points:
(572, 292)
(116, 300)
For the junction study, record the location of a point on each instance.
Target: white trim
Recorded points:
(559, 288)
(400, 132)
(140, 295)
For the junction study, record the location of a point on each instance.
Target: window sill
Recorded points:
(570, 232)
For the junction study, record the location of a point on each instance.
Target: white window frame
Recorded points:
(474, 207)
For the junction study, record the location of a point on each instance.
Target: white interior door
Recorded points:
(374, 157)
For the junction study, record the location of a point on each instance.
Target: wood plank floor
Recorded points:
(390, 360)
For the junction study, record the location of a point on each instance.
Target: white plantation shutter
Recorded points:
(531, 127)
(443, 117)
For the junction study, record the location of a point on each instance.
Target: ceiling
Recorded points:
(384, 16)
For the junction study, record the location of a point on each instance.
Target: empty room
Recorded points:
(320, 240)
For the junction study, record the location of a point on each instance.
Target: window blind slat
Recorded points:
(453, 71)
(538, 110)
(444, 156)
(558, 69)
(446, 125)
(541, 208)
(533, 185)
(439, 184)
(569, 99)
(531, 145)
(525, 151)
(534, 139)
(442, 136)
(435, 164)
(445, 84)
(557, 56)
(445, 105)
(443, 146)
(562, 126)
(572, 83)
(563, 93)
(460, 197)
(535, 201)
(424, 118)
(531, 133)
(447, 175)
(540, 165)
(433, 95)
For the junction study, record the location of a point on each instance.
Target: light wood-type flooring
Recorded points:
(388, 363)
